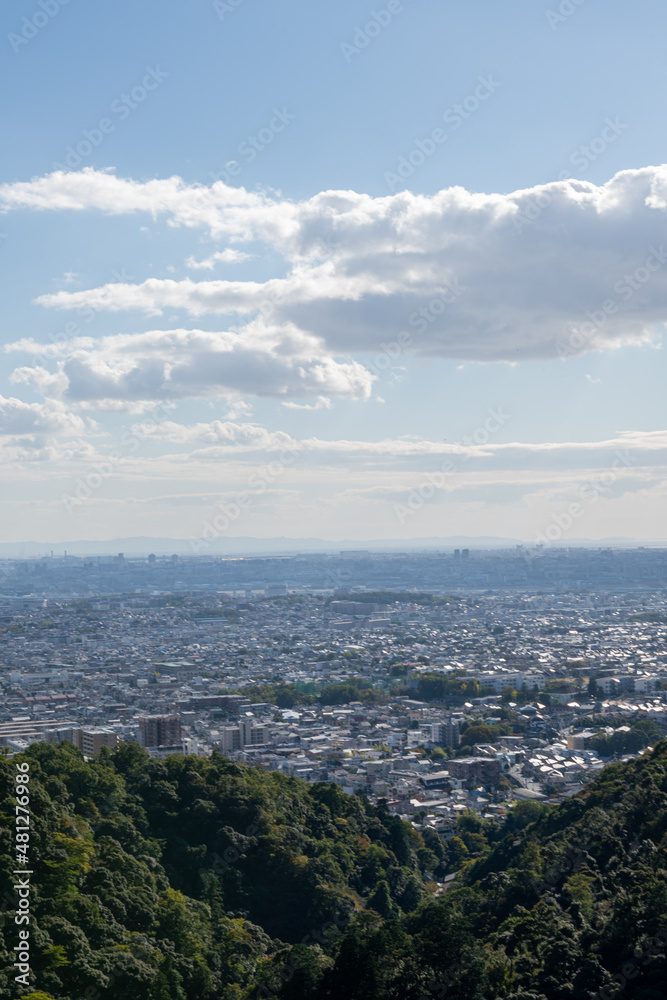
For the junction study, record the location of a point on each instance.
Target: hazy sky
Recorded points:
(337, 270)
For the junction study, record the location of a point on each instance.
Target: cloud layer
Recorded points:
(550, 271)
(175, 364)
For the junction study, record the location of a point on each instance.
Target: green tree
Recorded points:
(476, 734)
(380, 900)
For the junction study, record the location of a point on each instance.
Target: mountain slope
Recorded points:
(192, 869)
(574, 906)
(191, 878)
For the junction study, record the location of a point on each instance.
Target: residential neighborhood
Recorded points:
(435, 698)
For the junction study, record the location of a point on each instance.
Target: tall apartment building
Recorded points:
(160, 730)
(89, 740)
(230, 738)
(247, 733)
(446, 734)
(483, 770)
(251, 733)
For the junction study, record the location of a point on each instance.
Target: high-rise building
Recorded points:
(230, 738)
(251, 733)
(160, 730)
(446, 734)
(247, 733)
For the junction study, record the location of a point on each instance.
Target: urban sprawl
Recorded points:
(437, 681)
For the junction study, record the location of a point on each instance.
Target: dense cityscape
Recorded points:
(437, 682)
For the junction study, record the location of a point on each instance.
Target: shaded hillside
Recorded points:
(198, 878)
(191, 868)
(574, 906)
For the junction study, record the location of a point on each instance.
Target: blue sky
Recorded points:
(499, 167)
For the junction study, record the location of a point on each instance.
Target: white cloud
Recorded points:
(175, 364)
(537, 268)
(20, 418)
(224, 433)
(223, 210)
(228, 256)
(33, 433)
(629, 450)
(321, 403)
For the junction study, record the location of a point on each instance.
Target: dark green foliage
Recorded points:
(179, 879)
(342, 694)
(391, 597)
(638, 736)
(483, 732)
(476, 734)
(438, 687)
(570, 903)
(199, 879)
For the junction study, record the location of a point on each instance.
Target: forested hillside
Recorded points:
(178, 878)
(198, 878)
(573, 906)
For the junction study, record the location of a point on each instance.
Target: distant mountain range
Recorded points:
(246, 545)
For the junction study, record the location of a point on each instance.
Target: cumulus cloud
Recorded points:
(36, 433)
(223, 210)
(544, 272)
(175, 364)
(20, 418)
